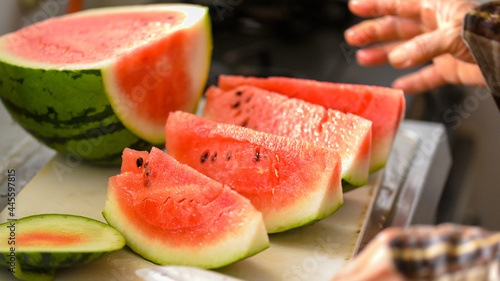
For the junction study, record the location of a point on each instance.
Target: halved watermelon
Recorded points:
(171, 214)
(269, 112)
(292, 182)
(385, 107)
(94, 82)
(34, 247)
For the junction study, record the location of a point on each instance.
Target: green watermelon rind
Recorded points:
(92, 127)
(308, 220)
(40, 263)
(246, 242)
(83, 126)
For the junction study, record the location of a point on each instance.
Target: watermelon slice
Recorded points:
(94, 82)
(292, 182)
(385, 107)
(171, 214)
(34, 247)
(273, 113)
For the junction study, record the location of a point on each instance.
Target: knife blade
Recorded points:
(181, 273)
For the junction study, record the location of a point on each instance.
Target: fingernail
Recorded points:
(354, 2)
(399, 57)
(349, 32)
(349, 35)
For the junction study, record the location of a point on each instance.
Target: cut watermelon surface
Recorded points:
(94, 82)
(292, 182)
(385, 107)
(171, 214)
(261, 110)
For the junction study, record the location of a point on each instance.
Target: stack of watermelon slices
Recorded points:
(265, 163)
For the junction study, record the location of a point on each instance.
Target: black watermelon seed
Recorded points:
(139, 162)
(148, 172)
(236, 104)
(256, 157)
(238, 93)
(228, 156)
(244, 124)
(214, 157)
(204, 157)
(146, 165)
(249, 99)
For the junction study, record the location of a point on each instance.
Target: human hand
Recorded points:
(411, 33)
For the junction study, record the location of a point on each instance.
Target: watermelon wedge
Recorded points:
(171, 214)
(261, 110)
(385, 107)
(94, 82)
(292, 182)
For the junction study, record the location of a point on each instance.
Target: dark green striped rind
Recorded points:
(30, 261)
(68, 110)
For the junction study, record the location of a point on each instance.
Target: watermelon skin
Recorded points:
(273, 113)
(385, 107)
(84, 126)
(293, 183)
(171, 214)
(44, 243)
(93, 110)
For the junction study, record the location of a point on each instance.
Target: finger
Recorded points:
(376, 8)
(425, 47)
(377, 55)
(382, 29)
(428, 78)
(465, 73)
(425, 79)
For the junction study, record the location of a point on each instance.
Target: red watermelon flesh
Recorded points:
(383, 106)
(133, 160)
(269, 112)
(291, 182)
(171, 214)
(98, 37)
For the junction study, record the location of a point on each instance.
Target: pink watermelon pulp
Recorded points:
(171, 214)
(383, 106)
(291, 182)
(261, 110)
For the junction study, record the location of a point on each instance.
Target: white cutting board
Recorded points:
(313, 252)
